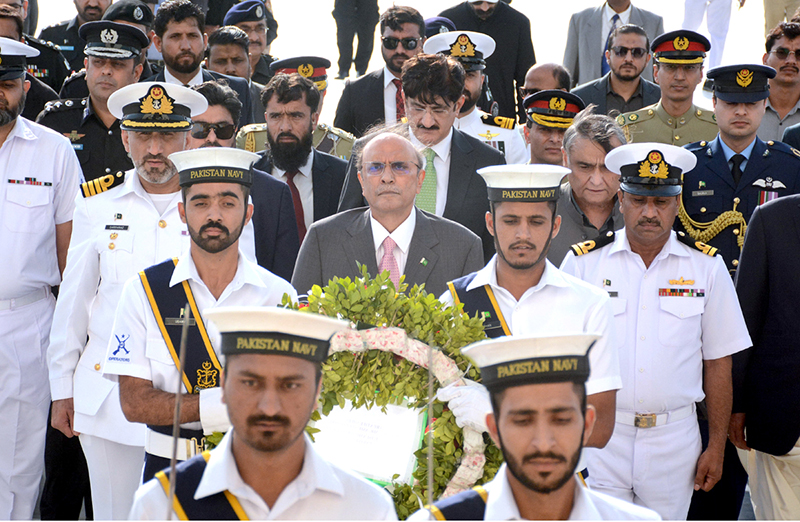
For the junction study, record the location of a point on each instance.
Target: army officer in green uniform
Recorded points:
(678, 70)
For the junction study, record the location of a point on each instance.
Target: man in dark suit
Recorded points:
(766, 390)
(433, 86)
(392, 234)
(589, 31)
(273, 218)
(377, 96)
(179, 36)
(623, 89)
(315, 179)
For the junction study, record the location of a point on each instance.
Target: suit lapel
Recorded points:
(360, 247)
(718, 165)
(459, 175)
(755, 166)
(421, 258)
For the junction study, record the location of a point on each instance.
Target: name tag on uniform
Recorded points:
(681, 292)
(116, 227)
(702, 193)
(178, 321)
(613, 294)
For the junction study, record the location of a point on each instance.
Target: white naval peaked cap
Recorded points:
(266, 330)
(526, 183)
(213, 165)
(650, 169)
(156, 106)
(469, 47)
(516, 361)
(13, 54)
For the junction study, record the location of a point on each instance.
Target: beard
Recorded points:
(628, 74)
(291, 155)
(524, 265)
(9, 114)
(548, 484)
(396, 61)
(272, 440)
(469, 101)
(154, 175)
(214, 245)
(183, 67)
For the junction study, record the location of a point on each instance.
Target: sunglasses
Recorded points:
(399, 168)
(409, 44)
(783, 53)
(527, 92)
(636, 52)
(224, 131)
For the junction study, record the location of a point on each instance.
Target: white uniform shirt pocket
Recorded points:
(116, 255)
(27, 207)
(679, 322)
(618, 306)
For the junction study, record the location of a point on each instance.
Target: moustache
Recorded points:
(523, 243)
(423, 127)
(287, 135)
(649, 221)
(543, 455)
(218, 226)
(279, 419)
(157, 157)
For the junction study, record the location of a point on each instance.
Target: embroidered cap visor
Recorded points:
(468, 47)
(519, 361)
(553, 108)
(650, 169)
(523, 183)
(113, 40)
(680, 47)
(274, 331)
(214, 165)
(744, 83)
(13, 54)
(156, 107)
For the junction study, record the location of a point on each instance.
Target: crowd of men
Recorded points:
(621, 244)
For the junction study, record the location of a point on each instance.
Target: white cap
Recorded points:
(461, 44)
(526, 183)
(650, 169)
(156, 106)
(266, 330)
(529, 360)
(214, 164)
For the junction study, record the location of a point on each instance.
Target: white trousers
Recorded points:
(718, 17)
(774, 483)
(115, 471)
(651, 467)
(24, 403)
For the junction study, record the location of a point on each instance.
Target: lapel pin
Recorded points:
(423, 262)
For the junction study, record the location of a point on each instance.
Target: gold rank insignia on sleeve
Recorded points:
(497, 121)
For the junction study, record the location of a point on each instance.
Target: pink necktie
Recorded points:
(388, 262)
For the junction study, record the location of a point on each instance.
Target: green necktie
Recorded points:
(426, 199)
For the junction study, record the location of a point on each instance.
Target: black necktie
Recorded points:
(736, 170)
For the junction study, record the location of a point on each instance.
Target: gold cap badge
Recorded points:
(558, 104)
(156, 102)
(681, 43)
(463, 47)
(306, 70)
(744, 77)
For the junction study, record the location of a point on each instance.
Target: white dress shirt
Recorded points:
(665, 338)
(31, 209)
(196, 80)
(586, 504)
(401, 236)
(442, 163)
(389, 96)
(608, 14)
(321, 491)
(305, 186)
(559, 305)
(148, 357)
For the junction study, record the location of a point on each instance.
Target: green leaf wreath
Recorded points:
(378, 378)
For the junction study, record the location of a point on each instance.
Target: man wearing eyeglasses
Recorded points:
(273, 220)
(623, 89)
(391, 234)
(433, 89)
(783, 104)
(377, 97)
(678, 70)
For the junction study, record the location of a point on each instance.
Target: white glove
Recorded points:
(213, 413)
(469, 403)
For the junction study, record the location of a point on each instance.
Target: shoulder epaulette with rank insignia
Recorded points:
(706, 115)
(639, 116)
(246, 137)
(698, 245)
(336, 131)
(102, 184)
(498, 121)
(46, 43)
(587, 246)
(696, 146)
(779, 146)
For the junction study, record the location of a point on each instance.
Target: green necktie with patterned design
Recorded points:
(426, 199)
